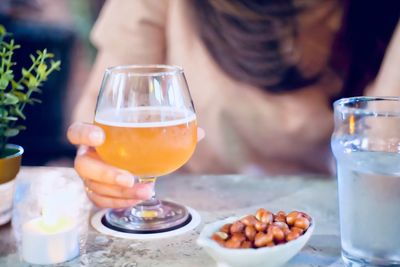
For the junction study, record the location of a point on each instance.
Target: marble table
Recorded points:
(214, 197)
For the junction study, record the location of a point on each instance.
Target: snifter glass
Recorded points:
(149, 121)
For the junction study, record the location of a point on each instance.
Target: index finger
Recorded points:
(85, 134)
(89, 166)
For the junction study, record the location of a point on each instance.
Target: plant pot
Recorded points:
(10, 163)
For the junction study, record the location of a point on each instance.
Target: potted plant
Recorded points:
(18, 87)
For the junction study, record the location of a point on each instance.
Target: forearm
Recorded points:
(387, 82)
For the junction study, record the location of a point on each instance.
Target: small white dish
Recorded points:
(265, 257)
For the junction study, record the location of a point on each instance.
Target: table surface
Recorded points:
(214, 197)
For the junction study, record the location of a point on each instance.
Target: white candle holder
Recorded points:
(50, 217)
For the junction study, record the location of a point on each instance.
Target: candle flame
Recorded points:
(59, 225)
(352, 124)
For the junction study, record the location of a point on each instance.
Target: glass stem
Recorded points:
(152, 201)
(148, 180)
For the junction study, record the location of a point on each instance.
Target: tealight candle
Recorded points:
(50, 240)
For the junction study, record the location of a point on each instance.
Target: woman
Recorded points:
(260, 74)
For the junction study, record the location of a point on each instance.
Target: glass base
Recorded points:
(351, 261)
(148, 217)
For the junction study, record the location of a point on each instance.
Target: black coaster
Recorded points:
(116, 228)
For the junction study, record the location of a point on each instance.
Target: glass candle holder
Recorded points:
(50, 216)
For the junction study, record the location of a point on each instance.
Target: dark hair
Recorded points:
(254, 41)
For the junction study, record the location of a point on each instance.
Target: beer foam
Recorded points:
(144, 117)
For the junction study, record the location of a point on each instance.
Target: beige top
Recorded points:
(247, 129)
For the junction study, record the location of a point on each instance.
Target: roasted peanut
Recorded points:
(292, 236)
(237, 227)
(281, 213)
(262, 239)
(302, 223)
(265, 229)
(305, 215)
(250, 232)
(238, 236)
(278, 234)
(222, 235)
(219, 237)
(260, 212)
(246, 244)
(291, 217)
(270, 244)
(297, 229)
(280, 218)
(260, 226)
(267, 218)
(226, 228)
(286, 231)
(232, 244)
(249, 220)
(281, 225)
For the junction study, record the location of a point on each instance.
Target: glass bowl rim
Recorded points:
(164, 69)
(341, 106)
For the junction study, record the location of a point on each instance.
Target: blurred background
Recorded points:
(61, 26)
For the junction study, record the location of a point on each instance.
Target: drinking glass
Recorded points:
(366, 145)
(149, 121)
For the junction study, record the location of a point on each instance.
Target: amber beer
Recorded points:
(147, 141)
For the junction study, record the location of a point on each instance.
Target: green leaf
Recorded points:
(3, 31)
(10, 99)
(17, 112)
(35, 100)
(33, 82)
(55, 64)
(36, 90)
(9, 75)
(41, 70)
(25, 72)
(21, 96)
(21, 127)
(32, 57)
(11, 132)
(3, 113)
(16, 85)
(6, 61)
(3, 83)
(11, 118)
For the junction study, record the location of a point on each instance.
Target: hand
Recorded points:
(106, 186)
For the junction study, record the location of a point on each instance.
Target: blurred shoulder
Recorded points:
(126, 25)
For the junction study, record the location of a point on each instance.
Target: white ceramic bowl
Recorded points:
(267, 256)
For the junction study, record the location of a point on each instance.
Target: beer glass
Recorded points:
(366, 145)
(150, 128)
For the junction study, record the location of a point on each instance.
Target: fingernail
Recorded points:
(125, 180)
(81, 150)
(96, 137)
(144, 192)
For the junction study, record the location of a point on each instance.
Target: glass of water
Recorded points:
(366, 145)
